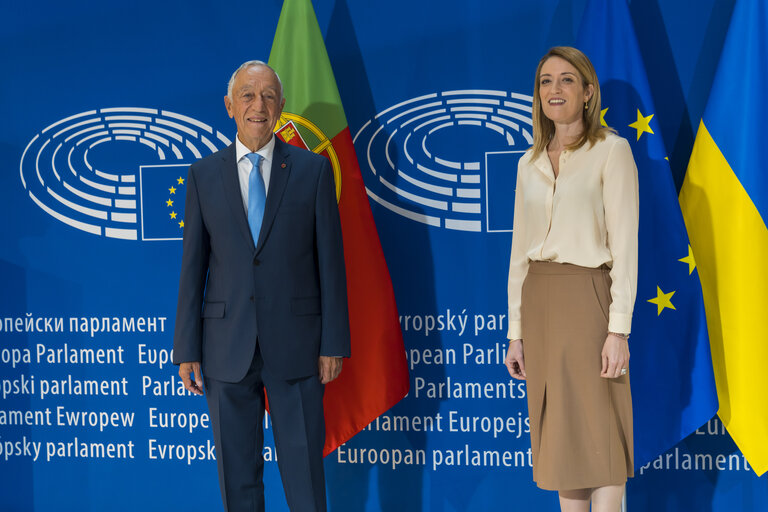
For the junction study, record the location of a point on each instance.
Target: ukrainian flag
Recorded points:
(725, 204)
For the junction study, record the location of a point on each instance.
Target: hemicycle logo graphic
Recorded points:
(448, 159)
(75, 170)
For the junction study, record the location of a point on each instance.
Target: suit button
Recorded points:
(256, 262)
(251, 298)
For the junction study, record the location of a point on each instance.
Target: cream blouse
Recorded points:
(587, 216)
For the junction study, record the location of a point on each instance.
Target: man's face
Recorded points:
(256, 105)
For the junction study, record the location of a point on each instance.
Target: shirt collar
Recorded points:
(265, 151)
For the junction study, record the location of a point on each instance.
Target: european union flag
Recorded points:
(673, 390)
(500, 180)
(162, 201)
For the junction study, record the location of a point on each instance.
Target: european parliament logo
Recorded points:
(448, 159)
(75, 170)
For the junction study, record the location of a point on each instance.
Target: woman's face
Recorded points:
(562, 92)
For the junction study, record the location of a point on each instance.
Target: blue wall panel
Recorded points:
(148, 64)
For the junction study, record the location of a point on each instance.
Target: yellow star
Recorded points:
(181, 224)
(662, 300)
(169, 203)
(173, 215)
(689, 260)
(172, 190)
(643, 124)
(180, 181)
(602, 117)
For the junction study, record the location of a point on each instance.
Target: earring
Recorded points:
(586, 106)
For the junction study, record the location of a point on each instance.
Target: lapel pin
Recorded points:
(282, 165)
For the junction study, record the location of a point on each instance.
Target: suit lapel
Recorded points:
(278, 179)
(232, 193)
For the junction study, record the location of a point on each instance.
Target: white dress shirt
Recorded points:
(586, 216)
(244, 166)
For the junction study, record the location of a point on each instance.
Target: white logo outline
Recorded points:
(104, 203)
(446, 194)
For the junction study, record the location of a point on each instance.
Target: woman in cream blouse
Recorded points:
(572, 283)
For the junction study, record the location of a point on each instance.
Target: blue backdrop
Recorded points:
(106, 104)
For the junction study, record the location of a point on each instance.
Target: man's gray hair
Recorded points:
(250, 64)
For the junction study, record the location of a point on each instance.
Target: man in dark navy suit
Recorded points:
(262, 298)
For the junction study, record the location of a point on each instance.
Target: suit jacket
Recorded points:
(287, 289)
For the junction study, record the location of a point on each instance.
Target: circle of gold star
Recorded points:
(662, 300)
(642, 125)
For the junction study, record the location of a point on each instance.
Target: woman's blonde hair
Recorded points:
(543, 128)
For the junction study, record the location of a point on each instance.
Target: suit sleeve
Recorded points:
(335, 338)
(188, 339)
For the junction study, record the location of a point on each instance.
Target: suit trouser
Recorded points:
(237, 414)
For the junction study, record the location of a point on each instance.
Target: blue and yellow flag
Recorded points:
(725, 205)
(673, 390)
(162, 201)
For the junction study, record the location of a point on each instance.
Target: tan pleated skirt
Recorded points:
(581, 423)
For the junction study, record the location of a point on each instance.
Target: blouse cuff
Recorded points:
(515, 331)
(620, 323)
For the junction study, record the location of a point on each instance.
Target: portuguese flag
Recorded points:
(376, 376)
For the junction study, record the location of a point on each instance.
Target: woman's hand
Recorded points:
(514, 360)
(615, 357)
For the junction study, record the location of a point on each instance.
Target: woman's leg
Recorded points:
(607, 499)
(576, 500)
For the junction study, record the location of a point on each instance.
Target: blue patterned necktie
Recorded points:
(257, 197)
